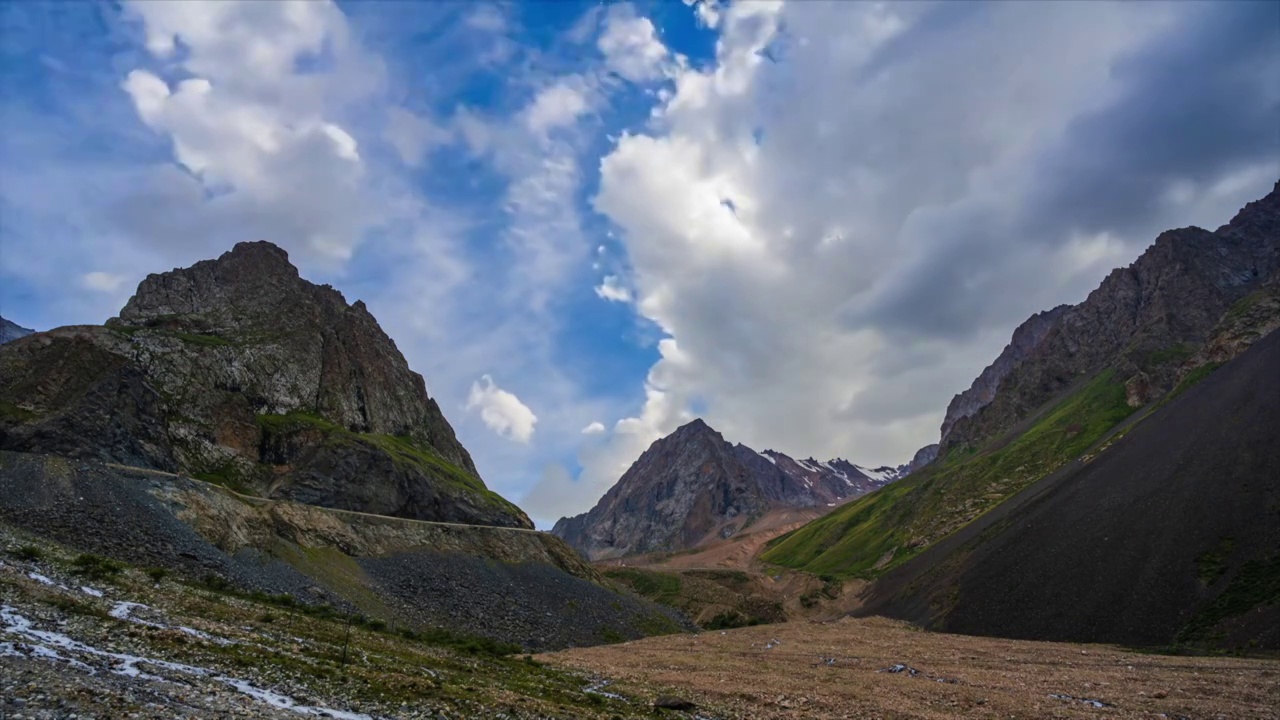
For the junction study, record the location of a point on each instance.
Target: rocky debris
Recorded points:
(693, 486)
(1026, 338)
(1145, 318)
(135, 655)
(671, 702)
(12, 331)
(240, 371)
(533, 605)
(506, 584)
(1177, 519)
(1091, 703)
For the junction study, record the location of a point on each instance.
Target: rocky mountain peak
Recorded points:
(693, 486)
(239, 369)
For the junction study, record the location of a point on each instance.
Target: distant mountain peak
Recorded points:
(693, 486)
(12, 331)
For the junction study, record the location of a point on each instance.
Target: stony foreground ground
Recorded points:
(842, 669)
(81, 638)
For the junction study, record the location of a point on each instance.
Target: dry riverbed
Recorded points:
(884, 669)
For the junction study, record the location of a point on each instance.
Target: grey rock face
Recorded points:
(240, 371)
(1025, 340)
(12, 331)
(693, 484)
(1143, 320)
(923, 456)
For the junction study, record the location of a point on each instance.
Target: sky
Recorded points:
(585, 224)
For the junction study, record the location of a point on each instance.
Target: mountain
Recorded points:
(1143, 321)
(1073, 381)
(693, 485)
(12, 331)
(1172, 535)
(1026, 338)
(240, 372)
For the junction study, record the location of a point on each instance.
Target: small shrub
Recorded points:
(377, 625)
(28, 552)
(216, 583)
(96, 567)
(157, 574)
(266, 618)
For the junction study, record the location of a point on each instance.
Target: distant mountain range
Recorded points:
(693, 486)
(12, 331)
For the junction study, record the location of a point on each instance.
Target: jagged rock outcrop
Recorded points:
(923, 456)
(239, 371)
(1144, 321)
(693, 485)
(12, 331)
(1026, 338)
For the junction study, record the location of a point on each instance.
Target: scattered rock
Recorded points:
(670, 702)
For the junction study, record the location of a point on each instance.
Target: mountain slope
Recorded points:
(238, 371)
(693, 484)
(12, 331)
(1130, 342)
(1143, 320)
(1171, 535)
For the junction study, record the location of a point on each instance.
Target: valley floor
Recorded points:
(83, 637)
(844, 669)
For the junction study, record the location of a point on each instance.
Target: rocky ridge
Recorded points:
(1026, 338)
(693, 485)
(1144, 321)
(12, 331)
(239, 371)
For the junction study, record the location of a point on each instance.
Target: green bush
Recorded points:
(28, 552)
(96, 567)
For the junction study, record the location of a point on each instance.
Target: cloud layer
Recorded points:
(811, 223)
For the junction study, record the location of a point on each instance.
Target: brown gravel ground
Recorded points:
(836, 670)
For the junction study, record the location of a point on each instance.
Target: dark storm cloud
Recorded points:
(1198, 104)
(1194, 105)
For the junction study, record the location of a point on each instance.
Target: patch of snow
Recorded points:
(831, 504)
(127, 665)
(767, 457)
(597, 688)
(124, 611)
(205, 636)
(93, 592)
(806, 466)
(876, 475)
(41, 579)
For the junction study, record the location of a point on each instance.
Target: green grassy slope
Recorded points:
(884, 529)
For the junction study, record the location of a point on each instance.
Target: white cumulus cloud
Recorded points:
(611, 289)
(502, 411)
(595, 428)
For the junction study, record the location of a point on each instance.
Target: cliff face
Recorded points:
(693, 485)
(1025, 340)
(239, 371)
(1144, 320)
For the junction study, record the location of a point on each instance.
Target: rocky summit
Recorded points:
(240, 372)
(693, 486)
